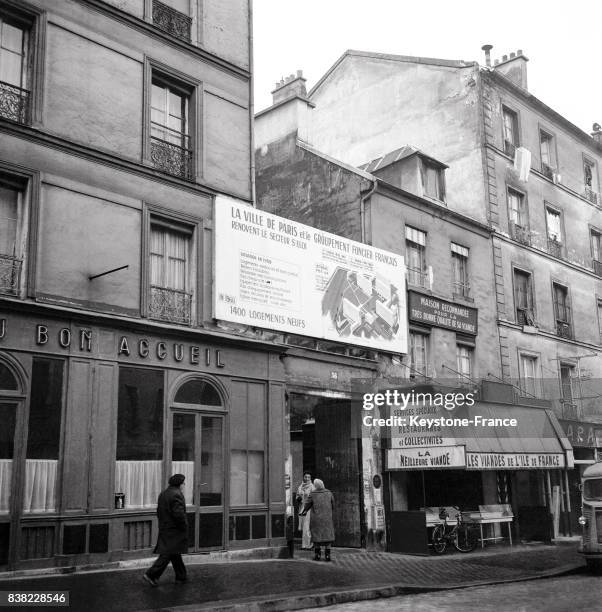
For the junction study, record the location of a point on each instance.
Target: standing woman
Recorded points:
(305, 488)
(321, 503)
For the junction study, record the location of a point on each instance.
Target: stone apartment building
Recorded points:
(122, 123)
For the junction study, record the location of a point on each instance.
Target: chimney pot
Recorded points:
(519, 52)
(504, 58)
(512, 55)
(299, 74)
(487, 49)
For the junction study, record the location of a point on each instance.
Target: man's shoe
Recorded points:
(150, 580)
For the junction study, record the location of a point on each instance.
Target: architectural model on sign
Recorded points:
(361, 305)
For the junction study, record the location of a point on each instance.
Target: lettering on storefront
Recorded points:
(441, 313)
(580, 434)
(514, 461)
(143, 348)
(425, 458)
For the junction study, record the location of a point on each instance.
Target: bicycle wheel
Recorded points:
(439, 540)
(465, 539)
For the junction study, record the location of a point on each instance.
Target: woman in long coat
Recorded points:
(321, 504)
(305, 488)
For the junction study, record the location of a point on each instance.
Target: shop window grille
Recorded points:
(74, 539)
(99, 538)
(37, 542)
(137, 535)
(563, 330)
(14, 103)
(591, 196)
(171, 21)
(525, 316)
(170, 305)
(10, 274)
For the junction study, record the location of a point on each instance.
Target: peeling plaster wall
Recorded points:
(368, 107)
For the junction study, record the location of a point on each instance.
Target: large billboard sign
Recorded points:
(278, 274)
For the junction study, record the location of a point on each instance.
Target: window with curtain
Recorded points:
(139, 436)
(523, 298)
(8, 418)
(464, 362)
(418, 353)
(43, 435)
(432, 181)
(546, 147)
(553, 224)
(247, 441)
(528, 375)
(11, 213)
(170, 274)
(14, 60)
(510, 129)
(516, 208)
(459, 255)
(416, 256)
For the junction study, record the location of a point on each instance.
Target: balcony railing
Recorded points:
(563, 330)
(525, 316)
(597, 267)
(14, 103)
(591, 196)
(570, 410)
(555, 248)
(10, 274)
(170, 305)
(172, 158)
(418, 278)
(172, 21)
(547, 171)
(462, 289)
(520, 234)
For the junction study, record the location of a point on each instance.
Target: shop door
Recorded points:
(198, 453)
(337, 464)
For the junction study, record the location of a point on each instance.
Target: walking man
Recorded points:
(173, 533)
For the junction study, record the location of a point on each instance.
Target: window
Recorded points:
(139, 436)
(510, 131)
(517, 214)
(567, 374)
(418, 354)
(464, 361)
(590, 176)
(599, 307)
(548, 158)
(562, 310)
(170, 273)
(529, 381)
(433, 183)
(172, 21)
(459, 256)
(14, 63)
(12, 228)
(170, 133)
(523, 298)
(416, 257)
(43, 436)
(554, 232)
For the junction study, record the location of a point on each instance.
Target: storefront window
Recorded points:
(592, 490)
(139, 436)
(248, 442)
(44, 435)
(7, 436)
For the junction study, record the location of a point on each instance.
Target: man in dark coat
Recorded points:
(173, 532)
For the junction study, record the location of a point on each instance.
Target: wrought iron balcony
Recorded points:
(172, 158)
(563, 330)
(520, 234)
(172, 21)
(555, 248)
(525, 316)
(10, 274)
(170, 305)
(547, 171)
(591, 196)
(14, 103)
(570, 410)
(597, 267)
(418, 277)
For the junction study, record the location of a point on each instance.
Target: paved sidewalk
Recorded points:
(300, 583)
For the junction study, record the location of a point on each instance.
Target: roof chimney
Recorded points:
(487, 49)
(597, 133)
(290, 87)
(514, 68)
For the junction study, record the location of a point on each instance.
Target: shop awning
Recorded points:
(473, 437)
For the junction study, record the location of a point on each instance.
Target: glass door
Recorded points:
(198, 453)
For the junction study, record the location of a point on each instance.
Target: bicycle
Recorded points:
(461, 535)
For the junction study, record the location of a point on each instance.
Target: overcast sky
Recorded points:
(561, 39)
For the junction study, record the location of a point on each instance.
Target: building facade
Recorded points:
(122, 122)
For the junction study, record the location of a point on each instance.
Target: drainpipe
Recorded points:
(363, 211)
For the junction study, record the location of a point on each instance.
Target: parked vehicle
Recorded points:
(591, 517)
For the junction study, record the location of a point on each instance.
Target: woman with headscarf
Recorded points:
(321, 503)
(305, 488)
